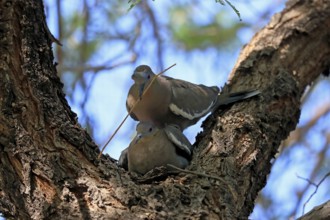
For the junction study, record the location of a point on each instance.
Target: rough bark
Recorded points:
(320, 212)
(48, 163)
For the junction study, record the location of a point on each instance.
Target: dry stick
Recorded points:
(315, 191)
(204, 175)
(121, 124)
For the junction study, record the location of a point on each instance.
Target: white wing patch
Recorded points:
(178, 143)
(176, 110)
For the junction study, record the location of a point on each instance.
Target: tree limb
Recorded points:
(48, 163)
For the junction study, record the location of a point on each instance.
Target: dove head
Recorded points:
(142, 74)
(145, 130)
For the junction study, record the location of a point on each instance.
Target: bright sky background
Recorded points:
(109, 91)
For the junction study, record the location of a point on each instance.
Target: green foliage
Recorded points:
(133, 3)
(101, 39)
(203, 37)
(89, 28)
(189, 34)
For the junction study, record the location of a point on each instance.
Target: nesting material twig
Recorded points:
(121, 124)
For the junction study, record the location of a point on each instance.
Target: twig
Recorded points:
(153, 79)
(204, 175)
(155, 28)
(96, 69)
(316, 188)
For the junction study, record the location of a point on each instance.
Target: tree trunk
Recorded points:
(48, 163)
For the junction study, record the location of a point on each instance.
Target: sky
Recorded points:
(109, 90)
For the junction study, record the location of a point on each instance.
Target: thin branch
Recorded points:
(301, 193)
(316, 188)
(59, 50)
(197, 174)
(299, 134)
(155, 28)
(205, 175)
(100, 67)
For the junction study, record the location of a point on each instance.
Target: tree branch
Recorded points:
(48, 162)
(319, 212)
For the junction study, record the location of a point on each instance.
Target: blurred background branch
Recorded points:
(103, 43)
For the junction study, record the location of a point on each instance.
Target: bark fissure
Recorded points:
(48, 163)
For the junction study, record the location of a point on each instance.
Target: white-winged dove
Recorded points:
(154, 147)
(174, 101)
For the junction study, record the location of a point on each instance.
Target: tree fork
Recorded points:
(48, 163)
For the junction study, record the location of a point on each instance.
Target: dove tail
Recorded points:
(225, 99)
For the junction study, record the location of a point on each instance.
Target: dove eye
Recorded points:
(150, 129)
(148, 76)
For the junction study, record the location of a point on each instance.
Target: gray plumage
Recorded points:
(153, 147)
(174, 101)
